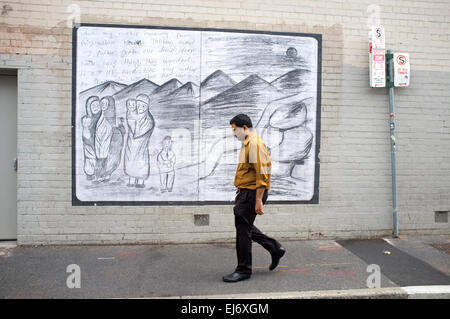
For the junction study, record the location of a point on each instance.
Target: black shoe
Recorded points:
(276, 258)
(235, 277)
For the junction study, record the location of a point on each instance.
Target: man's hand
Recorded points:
(258, 202)
(259, 207)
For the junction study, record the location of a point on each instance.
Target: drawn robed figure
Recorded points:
(140, 127)
(89, 123)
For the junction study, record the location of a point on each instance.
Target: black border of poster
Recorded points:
(77, 202)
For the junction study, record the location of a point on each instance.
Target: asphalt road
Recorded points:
(132, 271)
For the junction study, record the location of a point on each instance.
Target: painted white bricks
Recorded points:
(354, 190)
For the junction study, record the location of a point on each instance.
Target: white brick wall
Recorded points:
(355, 181)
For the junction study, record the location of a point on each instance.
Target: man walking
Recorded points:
(253, 182)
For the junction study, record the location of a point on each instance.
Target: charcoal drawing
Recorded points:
(153, 106)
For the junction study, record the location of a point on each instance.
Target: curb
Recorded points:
(412, 292)
(428, 292)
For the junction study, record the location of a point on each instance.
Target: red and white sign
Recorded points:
(377, 52)
(376, 38)
(377, 68)
(401, 69)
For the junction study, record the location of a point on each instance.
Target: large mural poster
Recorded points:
(151, 111)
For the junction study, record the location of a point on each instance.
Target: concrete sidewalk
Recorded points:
(310, 269)
(413, 292)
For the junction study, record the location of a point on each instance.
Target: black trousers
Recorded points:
(244, 217)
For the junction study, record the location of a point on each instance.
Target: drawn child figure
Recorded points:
(89, 122)
(166, 164)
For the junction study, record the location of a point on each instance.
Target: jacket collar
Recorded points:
(252, 134)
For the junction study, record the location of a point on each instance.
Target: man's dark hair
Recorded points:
(240, 120)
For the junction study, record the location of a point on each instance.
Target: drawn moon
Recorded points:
(291, 52)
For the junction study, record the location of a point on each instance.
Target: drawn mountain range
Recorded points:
(187, 90)
(215, 84)
(220, 96)
(292, 82)
(106, 88)
(251, 88)
(143, 86)
(216, 90)
(167, 87)
(249, 96)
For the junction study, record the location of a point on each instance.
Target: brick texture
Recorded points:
(355, 173)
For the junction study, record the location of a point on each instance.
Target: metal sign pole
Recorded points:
(390, 84)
